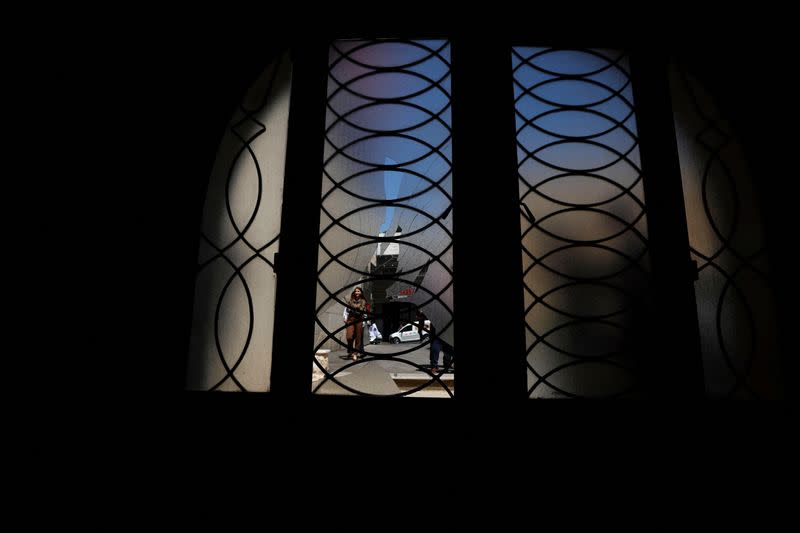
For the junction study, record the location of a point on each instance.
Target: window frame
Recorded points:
(494, 367)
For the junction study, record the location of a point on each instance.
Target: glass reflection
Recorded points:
(583, 228)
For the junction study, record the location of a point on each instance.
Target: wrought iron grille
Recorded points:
(386, 222)
(735, 306)
(583, 225)
(233, 319)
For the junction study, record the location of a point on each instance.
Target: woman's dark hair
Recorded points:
(353, 294)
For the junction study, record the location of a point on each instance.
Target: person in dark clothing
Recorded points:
(437, 344)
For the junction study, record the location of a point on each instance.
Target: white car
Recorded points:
(408, 333)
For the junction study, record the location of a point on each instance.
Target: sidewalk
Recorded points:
(380, 375)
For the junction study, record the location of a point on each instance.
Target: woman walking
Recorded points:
(354, 318)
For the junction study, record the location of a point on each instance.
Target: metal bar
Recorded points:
(487, 264)
(297, 271)
(672, 366)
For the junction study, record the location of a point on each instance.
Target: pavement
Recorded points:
(387, 370)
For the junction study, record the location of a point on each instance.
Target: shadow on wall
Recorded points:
(591, 308)
(735, 301)
(234, 306)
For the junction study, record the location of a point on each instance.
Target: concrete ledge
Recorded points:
(322, 358)
(416, 376)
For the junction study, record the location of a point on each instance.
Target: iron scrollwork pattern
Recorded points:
(583, 224)
(232, 329)
(734, 295)
(386, 222)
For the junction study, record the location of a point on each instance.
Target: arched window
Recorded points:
(547, 202)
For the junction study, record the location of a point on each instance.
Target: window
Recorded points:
(583, 221)
(234, 310)
(386, 219)
(735, 301)
(402, 157)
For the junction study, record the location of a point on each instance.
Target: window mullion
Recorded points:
(487, 265)
(297, 262)
(673, 365)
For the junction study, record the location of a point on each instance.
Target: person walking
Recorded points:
(354, 315)
(375, 336)
(437, 344)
